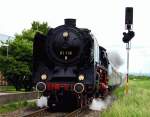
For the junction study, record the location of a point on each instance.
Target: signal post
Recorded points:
(127, 36)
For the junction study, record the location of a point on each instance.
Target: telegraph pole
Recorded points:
(127, 37)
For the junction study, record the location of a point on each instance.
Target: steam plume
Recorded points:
(115, 59)
(42, 102)
(99, 104)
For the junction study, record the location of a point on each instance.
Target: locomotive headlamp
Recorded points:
(40, 86)
(81, 77)
(43, 76)
(79, 87)
(65, 34)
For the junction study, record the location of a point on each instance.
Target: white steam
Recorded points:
(115, 59)
(99, 104)
(123, 80)
(42, 102)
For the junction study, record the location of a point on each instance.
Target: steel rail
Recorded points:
(38, 113)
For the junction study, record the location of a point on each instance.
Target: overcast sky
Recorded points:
(105, 18)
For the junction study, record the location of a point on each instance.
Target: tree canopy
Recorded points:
(19, 59)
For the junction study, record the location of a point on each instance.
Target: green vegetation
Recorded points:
(16, 105)
(7, 89)
(17, 66)
(135, 104)
(10, 89)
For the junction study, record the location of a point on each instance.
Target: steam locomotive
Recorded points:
(69, 66)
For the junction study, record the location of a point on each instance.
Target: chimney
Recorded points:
(70, 22)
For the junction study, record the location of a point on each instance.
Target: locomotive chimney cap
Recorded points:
(70, 22)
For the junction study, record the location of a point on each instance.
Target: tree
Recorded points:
(18, 65)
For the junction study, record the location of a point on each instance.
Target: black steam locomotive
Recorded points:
(69, 66)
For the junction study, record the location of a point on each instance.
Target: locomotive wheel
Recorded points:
(82, 101)
(67, 102)
(52, 104)
(85, 100)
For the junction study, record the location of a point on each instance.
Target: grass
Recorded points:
(10, 89)
(15, 106)
(135, 104)
(7, 89)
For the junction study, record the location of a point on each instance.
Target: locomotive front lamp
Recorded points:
(65, 34)
(43, 76)
(81, 77)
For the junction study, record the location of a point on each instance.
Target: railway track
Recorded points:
(39, 113)
(44, 113)
(81, 112)
(77, 112)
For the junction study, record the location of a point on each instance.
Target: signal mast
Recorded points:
(127, 36)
